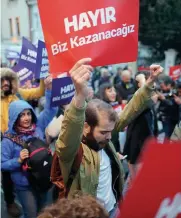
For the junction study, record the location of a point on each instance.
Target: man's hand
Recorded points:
(155, 71)
(161, 96)
(80, 74)
(48, 83)
(177, 99)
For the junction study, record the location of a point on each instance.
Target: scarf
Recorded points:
(26, 131)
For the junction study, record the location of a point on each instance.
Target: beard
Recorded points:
(7, 91)
(91, 142)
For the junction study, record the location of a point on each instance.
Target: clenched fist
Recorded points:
(155, 71)
(80, 74)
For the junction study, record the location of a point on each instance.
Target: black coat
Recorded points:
(138, 132)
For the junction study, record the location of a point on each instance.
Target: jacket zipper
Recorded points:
(36, 151)
(114, 189)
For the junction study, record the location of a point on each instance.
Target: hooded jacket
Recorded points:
(26, 94)
(10, 151)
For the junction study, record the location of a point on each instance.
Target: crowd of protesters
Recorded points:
(84, 136)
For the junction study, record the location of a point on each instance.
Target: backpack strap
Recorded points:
(74, 169)
(16, 139)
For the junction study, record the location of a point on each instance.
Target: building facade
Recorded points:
(14, 24)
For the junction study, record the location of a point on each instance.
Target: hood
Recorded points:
(12, 76)
(15, 108)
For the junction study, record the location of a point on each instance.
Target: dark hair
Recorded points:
(34, 119)
(96, 107)
(179, 85)
(102, 93)
(167, 81)
(80, 207)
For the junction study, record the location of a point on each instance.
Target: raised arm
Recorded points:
(48, 112)
(140, 101)
(70, 136)
(33, 93)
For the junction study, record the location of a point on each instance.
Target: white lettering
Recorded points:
(94, 16)
(73, 24)
(44, 68)
(170, 208)
(44, 61)
(44, 52)
(67, 88)
(55, 49)
(32, 53)
(88, 19)
(124, 30)
(103, 21)
(73, 42)
(113, 33)
(110, 14)
(84, 21)
(88, 39)
(59, 48)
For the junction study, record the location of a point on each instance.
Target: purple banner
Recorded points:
(28, 55)
(62, 91)
(24, 74)
(42, 64)
(27, 62)
(12, 55)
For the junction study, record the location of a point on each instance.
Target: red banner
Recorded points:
(156, 191)
(175, 72)
(142, 68)
(106, 31)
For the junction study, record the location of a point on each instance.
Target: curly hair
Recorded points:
(78, 207)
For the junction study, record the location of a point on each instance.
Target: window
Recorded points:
(18, 26)
(11, 26)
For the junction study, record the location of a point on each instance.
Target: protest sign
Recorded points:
(25, 67)
(156, 191)
(12, 55)
(62, 91)
(28, 55)
(24, 74)
(106, 31)
(175, 72)
(42, 65)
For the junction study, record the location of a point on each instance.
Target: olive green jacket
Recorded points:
(70, 138)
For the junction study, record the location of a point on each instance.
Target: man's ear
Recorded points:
(87, 128)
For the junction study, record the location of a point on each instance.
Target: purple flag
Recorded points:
(11, 55)
(24, 74)
(42, 64)
(27, 62)
(62, 91)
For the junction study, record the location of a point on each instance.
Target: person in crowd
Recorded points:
(24, 124)
(127, 85)
(89, 127)
(9, 93)
(139, 130)
(108, 94)
(117, 78)
(169, 107)
(79, 207)
(9, 90)
(105, 76)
